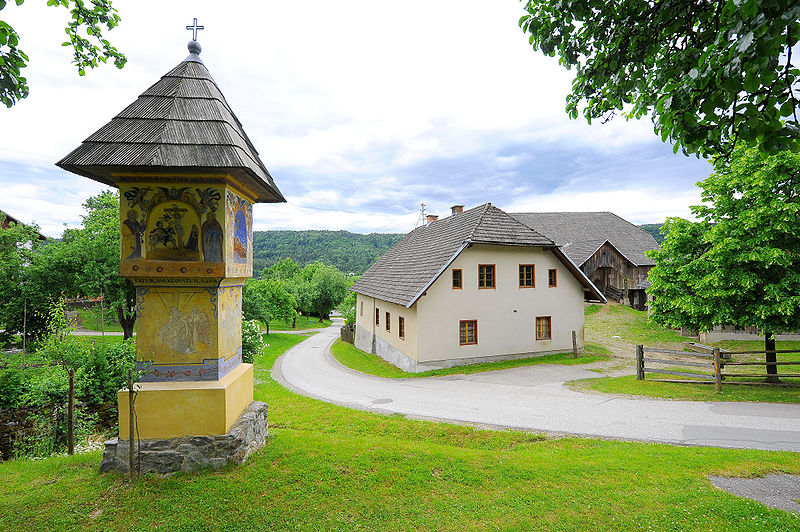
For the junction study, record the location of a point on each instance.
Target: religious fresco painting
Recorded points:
(132, 232)
(186, 331)
(178, 327)
(239, 218)
(177, 224)
(230, 323)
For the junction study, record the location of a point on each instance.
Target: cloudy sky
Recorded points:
(361, 110)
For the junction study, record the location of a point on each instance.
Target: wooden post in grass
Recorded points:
(717, 371)
(574, 345)
(71, 414)
(639, 362)
(130, 422)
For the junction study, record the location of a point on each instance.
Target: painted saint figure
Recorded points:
(212, 239)
(191, 244)
(133, 241)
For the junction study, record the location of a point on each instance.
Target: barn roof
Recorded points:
(181, 123)
(404, 272)
(581, 234)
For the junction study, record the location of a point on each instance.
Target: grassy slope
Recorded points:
(354, 358)
(632, 326)
(328, 467)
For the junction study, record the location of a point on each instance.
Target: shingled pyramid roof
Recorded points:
(180, 124)
(404, 272)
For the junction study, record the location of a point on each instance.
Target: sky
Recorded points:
(360, 109)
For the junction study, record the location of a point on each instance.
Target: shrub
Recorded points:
(11, 387)
(252, 340)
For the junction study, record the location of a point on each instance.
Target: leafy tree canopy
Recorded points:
(711, 73)
(739, 264)
(18, 245)
(266, 300)
(85, 36)
(85, 262)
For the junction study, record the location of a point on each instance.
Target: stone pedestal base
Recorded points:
(190, 453)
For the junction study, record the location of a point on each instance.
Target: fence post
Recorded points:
(130, 422)
(717, 371)
(640, 362)
(574, 345)
(71, 414)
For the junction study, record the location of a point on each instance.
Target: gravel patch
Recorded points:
(775, 491)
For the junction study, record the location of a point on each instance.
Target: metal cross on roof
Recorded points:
(194, 27)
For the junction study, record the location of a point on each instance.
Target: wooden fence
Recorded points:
(706, 368)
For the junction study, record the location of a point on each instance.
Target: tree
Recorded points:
(283, 270)
(266, 300)
(85, 34)
(711, 73)
(739, 264)
(328, 289)
(86, 263)
(18, 245)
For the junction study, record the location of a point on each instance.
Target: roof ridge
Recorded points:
(479, 220)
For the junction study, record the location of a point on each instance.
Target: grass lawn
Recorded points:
(327, 467)
(90, 320)
(628, 385)
(109, 339)
(632, 327)
(303, 322)
(353, 358)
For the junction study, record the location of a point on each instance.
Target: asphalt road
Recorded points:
(533, 398)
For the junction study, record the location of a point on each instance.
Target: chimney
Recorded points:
(432, 218)
(455, 209)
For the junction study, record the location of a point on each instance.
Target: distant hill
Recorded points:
(654, 229)
(350, 252)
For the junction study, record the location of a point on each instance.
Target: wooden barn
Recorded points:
(607, 248)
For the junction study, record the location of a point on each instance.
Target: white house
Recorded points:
(474, 287)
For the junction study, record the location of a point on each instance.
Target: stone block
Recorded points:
(192, 453)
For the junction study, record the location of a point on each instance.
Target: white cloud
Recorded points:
(350, 104)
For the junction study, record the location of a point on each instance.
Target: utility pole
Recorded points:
(422, 219)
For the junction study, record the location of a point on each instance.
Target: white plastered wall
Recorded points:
(376, 339)
(507, 314)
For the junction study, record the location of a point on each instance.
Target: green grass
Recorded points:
(756, 345)
(90, 320)
(353, 358)
(631, 326)
(628, 385)
(109, 339)
(326, 467)
(303, 322)
(591, 309)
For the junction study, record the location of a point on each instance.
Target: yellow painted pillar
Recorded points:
(187, 246)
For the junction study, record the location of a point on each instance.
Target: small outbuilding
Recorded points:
(476, 286)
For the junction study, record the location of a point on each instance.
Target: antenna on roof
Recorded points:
(422, 220)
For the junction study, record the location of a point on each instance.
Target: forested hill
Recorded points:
(350, 252)
(654, 229)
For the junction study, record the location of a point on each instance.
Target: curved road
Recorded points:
(533, 398)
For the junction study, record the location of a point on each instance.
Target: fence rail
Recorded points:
(713, 364)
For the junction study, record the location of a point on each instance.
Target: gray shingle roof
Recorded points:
(401, 274)
(182, 122)
(582, 233)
